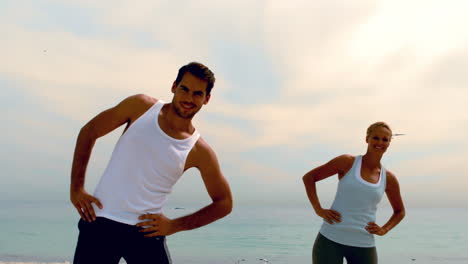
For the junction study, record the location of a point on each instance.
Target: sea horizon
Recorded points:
(46, 232)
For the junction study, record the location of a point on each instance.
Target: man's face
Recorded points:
(189, 95)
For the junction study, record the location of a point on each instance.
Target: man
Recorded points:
(124, 217)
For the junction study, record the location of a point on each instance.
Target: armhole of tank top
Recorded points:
(195, 138)
(157, 106)
(383, 177)
(147, 112)
(353, 167)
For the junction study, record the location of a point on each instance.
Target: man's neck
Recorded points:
(175, 122)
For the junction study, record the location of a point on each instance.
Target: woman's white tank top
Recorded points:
(356, 200)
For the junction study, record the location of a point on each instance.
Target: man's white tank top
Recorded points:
(356, 200)
(145, 165)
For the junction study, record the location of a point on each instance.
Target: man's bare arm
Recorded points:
(217, 187)
(97, 127)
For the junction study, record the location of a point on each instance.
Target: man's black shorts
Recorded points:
(105, 242)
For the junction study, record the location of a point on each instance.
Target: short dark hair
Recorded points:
(200, 71)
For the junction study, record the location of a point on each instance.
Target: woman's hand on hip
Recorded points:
(330, 216)
(375, 229)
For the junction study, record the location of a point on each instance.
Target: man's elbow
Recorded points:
(228, 206)
(86, 132)
(225, 206)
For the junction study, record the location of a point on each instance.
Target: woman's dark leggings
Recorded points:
(326, 251)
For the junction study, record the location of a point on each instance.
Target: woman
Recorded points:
(349, 226)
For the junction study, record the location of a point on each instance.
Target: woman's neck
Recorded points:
(371, 160)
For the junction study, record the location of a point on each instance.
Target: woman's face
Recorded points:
(379, 140)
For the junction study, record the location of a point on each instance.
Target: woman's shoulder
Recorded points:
(345, 159)
(344, 162)
(390, 175)
(392, 184)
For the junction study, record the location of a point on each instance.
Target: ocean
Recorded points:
(46, 232)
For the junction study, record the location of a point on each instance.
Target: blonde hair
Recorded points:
(376, 125)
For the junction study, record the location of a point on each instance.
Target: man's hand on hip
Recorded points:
(82, 202)
(156, 225)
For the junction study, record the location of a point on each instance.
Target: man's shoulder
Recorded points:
(202, 151)
(137, 103)
(141, 99)
(201, 146)
(201, 156)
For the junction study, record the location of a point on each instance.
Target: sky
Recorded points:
(298, 83)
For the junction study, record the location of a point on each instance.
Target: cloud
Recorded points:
(357, 77)
(62, 69)
(372, 67)
(338, 66)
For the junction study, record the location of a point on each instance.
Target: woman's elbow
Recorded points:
(400, 212)
(308, 179)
